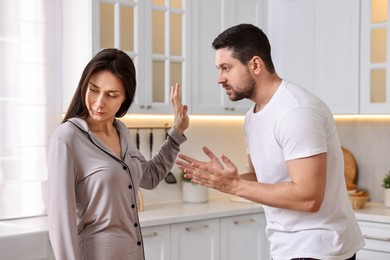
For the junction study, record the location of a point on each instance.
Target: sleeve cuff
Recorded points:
(176, 137)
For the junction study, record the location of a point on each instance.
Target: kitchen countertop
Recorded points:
(169, 213)
(373, 212)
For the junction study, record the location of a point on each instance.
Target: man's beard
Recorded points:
(247, 89)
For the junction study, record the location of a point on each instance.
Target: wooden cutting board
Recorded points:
(350, 169)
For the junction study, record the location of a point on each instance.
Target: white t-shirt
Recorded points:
(296, 124)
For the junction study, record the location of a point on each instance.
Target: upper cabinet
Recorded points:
(210, 18)
(315, 44)
(375, 61)
(155, 34)
(168, 40)
(335, 49)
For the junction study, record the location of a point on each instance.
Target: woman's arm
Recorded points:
(62, 220)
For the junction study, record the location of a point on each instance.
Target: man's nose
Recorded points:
(221, 79)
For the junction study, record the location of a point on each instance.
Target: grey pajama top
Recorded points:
(92, 208)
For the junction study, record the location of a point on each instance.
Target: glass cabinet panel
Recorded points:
(158, 32)
(151, 32)
(378, 86)
(378, 45)
(176, 4)
(378, 52)
(127, 28)
(107, 25)
(176, 34)
(176, 73)
(159, 2)
(158, 82)
(378, 11)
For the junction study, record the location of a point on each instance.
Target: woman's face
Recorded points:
(104, 96)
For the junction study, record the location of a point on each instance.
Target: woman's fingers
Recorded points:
(181, 119)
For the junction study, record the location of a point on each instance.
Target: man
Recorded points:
(295, 157)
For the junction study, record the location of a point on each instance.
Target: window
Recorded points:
(30, 106)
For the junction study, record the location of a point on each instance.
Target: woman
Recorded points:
(95, 169)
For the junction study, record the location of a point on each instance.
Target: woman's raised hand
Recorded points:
(181, 120)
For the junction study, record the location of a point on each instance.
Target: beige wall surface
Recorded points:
(368, 140)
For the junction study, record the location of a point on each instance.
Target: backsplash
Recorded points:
(369, 142)
(220, 134)
(367, 139)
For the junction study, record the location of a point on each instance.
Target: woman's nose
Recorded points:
(100, 100)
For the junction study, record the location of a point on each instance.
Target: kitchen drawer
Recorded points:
(372, 255)
(376, 235)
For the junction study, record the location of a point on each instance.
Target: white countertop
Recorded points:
(169, 213)
(373, 212)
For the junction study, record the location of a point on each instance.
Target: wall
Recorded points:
(367, 139)
(220, 134)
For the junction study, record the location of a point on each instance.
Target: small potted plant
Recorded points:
(386, 185)
(192, 192)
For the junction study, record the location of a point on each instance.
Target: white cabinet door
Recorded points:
(374, 62)
(371, 255)
(210, 18)
(377, 238)
(76, 45)
(315, 44)
(156, 35)
(157, 242)
(243, 237)
(195, 240)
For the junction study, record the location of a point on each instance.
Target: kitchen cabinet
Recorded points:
(156, 35)
(242, 237)
(226, 238)
(315, 44)
(157, 242)
(375, 65)
(377, 238)
(76, 45)
(195, 240)
(210, 18)
(168, 41)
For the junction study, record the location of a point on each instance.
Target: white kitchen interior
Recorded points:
(338, 49)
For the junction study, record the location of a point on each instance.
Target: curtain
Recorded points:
(30, 101)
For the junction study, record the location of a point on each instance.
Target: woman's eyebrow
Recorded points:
(93, 84)
(113, 90)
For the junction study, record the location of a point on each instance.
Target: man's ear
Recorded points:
(257, 64)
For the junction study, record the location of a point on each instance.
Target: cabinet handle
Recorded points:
(193, 229)
(148, 106)
(153, 234)
(227, 108)
(241, 222)
(232, 109)
(142, 106)
(377, 238)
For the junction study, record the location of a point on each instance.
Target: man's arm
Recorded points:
(305, 191)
